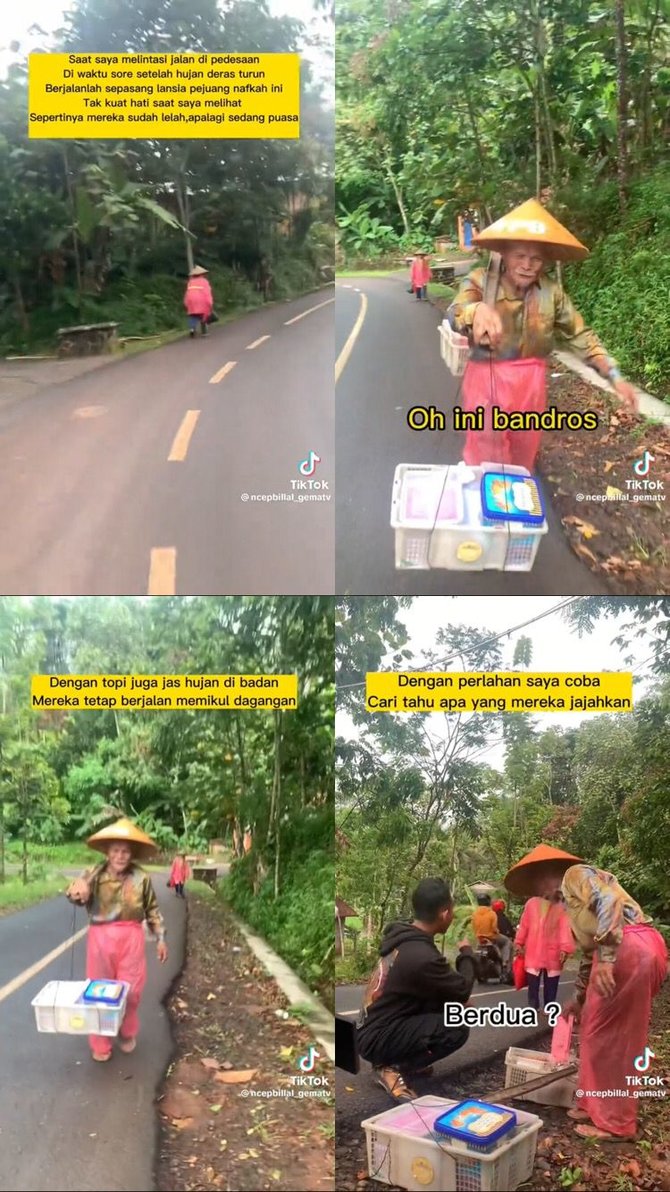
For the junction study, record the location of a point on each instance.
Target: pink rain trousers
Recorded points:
(614, 1030)
(115, 952)
(511, 385)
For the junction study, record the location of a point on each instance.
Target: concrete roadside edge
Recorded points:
(650, 406)
(320, 1021)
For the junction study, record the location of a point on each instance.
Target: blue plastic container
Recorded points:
(509, 497)
(476, 1123)
(110, 993)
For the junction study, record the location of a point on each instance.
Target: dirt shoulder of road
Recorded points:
(588, 473)
(563, 1160)
(230, 1113)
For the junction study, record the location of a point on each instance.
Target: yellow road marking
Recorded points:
(353, 336)
(162, 571)
(29, 973)
(183, 436)
(305, 313)
(223, 372)
(257, 342)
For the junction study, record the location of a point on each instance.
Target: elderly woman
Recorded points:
(624, 963)
(512, 313)
(198, 300)
(119, 897)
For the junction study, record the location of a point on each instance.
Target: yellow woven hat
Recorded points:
(520, 879)
(532, 222)
(198, 271)
(124, 831)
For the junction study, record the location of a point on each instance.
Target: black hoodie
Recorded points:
(410, 978)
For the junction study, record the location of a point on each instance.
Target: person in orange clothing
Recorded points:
(485, 926)
(420, 276)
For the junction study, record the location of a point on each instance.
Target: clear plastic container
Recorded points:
(403, 1149)
(472, 543)
(60, 1009)
(454, 349)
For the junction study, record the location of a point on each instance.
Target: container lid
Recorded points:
(428, 498)
(476, 1122)
(108, 992)
(512, 498)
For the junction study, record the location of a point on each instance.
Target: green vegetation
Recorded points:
(479, 104)
(107, 230)
(186, 777)
(15, 895)
(415, 800)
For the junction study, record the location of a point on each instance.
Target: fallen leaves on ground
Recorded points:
(216, 1131)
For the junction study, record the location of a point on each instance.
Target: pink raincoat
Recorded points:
(115, 952)
(179, 872)
(198, 298)
(511, 385)
(420, 272)
(544, 932)
(614, 1030)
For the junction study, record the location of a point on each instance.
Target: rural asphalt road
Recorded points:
(358, 1097)
(95, 506)
(395, 363)
(67, 1124)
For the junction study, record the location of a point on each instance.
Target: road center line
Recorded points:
(305, 313)
(162, 571)
(223, 372)
(29, 973)
(183, 436)
(353, 336)
(256, 342)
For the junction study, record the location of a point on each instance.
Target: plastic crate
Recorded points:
(474, 543)
(404, 1150)
(522, 1065)
(60, 1010)
(454, 349)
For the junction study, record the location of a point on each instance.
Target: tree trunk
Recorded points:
(622, 105)
(73, 212)
(398, 194)
(20, 303)
(181, 192)
(24, 862)
(538, 144)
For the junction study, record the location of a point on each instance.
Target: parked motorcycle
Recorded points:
(483, 963)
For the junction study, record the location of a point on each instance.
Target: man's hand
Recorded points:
(602, 979)
(487, 325)
(627, 393)
(79, 890)
(162, 951)
(562, 958)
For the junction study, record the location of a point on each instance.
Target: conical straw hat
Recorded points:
(124, 831)
(532, 222)
(198, 271)
(521, 877)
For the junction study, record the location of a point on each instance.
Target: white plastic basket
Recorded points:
(472, 543)
(403, 1150)
(454, 349)
(522, 1065)
(60, 1010)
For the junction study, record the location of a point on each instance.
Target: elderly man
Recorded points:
(512, 314)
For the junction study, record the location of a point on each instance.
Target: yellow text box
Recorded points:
(150, 693)
(164, 95)
(484, 691)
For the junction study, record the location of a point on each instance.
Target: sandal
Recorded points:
(592, 1131)
(393, 1083)
(127, 1045)
(579, 1115)
(101, 1057)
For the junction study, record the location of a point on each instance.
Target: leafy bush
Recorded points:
(300, 922)
(622, 289)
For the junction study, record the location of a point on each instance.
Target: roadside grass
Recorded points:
(371, 272)
(14, 896)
